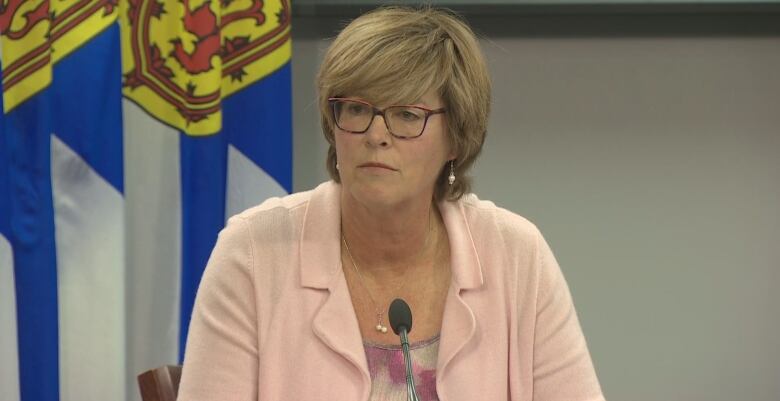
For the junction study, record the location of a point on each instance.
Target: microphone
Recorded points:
(400, 317)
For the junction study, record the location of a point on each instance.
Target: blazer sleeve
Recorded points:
(563, 370)
(221, 357)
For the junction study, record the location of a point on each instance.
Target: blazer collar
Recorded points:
(320, 249)
(464, 260)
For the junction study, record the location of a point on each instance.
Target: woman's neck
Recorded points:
(387, 241)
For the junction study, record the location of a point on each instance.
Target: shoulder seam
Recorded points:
(248, 233)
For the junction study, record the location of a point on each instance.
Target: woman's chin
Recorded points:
(376, 194)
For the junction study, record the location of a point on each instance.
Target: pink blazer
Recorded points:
(273, 319)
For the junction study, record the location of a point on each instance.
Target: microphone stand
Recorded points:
(400, 317)
(411, 390)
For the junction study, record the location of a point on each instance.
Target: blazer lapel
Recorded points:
(335, 325)
(458, 323)
(335, 322)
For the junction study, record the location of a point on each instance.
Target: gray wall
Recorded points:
(650, 162)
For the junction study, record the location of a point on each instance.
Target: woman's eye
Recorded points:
(357, 109)
(410, 115)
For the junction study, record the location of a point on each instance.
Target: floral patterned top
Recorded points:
(388, 371)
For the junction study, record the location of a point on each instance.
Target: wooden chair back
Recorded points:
(160, 384)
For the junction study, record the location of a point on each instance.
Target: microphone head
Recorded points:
(400, 316)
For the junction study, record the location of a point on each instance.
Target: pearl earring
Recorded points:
(451, 178)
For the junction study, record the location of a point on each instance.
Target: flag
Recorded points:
(131, 130)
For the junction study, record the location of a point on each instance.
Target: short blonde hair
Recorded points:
(395, 55)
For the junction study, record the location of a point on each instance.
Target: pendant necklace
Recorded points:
(380, 327)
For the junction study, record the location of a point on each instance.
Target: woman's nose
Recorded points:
(378, 134)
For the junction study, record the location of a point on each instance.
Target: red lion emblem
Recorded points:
(202, 23)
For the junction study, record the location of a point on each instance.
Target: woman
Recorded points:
(293, 303)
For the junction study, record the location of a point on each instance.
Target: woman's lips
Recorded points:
(377, 165)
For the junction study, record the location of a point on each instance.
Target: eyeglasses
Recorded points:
(356, 116)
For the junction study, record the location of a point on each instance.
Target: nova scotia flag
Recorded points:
(130, 131)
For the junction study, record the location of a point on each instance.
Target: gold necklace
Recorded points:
(379, 313)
